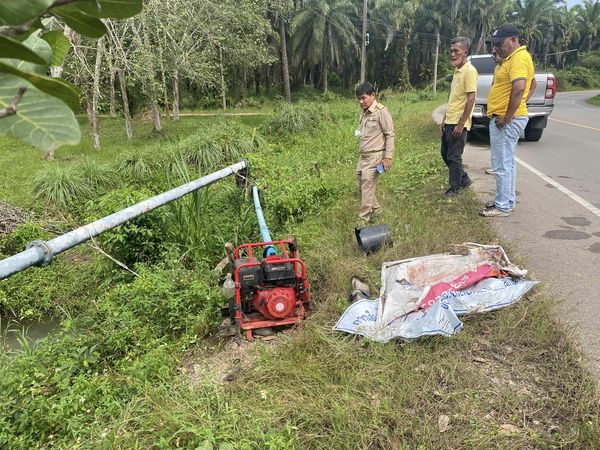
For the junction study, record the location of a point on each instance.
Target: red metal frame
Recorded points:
(252, 321)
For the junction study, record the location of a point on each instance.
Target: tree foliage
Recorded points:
(37, 108)
(177, 53)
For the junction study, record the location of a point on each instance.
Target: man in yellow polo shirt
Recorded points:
(508, 115)
(457, 120)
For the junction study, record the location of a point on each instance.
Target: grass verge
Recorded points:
(511, 378)
(594, 100)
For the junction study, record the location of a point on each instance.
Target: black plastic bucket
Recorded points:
(371, 239)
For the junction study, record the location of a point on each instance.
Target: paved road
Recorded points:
(556, 225)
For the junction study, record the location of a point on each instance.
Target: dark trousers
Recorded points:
(452, 150)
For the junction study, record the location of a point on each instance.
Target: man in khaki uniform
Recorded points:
(376, 147)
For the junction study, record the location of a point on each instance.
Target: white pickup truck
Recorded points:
(539, 106)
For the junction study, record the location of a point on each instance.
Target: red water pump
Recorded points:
(271, 286)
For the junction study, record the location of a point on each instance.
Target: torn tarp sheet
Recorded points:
(424, 296)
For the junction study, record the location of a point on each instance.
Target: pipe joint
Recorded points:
(44, 250)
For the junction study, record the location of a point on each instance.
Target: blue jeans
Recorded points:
(504, 144)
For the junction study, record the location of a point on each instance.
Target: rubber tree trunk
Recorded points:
(155, 111)
(126, 113)
(267, 78)
(165, 90)
(111, 87)
(403, 75)
(150, 71)
(176, 95)
(223, 87)
(93, 113)
(285, 70)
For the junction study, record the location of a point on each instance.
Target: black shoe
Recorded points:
(467, 183)
(451, 192)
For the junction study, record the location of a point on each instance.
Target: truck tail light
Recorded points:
(550, 86)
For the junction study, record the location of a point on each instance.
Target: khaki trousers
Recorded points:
(366, 179)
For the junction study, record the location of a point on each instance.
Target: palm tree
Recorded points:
(483, 16)
(433, 16)
(323, 33)
(566, 26)
(588, 20)
(535, 18)
(278, 13)
(402, 12)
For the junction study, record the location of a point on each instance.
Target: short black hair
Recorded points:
(464, 41)
(365, 88)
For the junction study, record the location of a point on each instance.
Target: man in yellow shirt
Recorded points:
(507, 111)
(457, 120)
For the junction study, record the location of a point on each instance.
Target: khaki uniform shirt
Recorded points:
(377, 130)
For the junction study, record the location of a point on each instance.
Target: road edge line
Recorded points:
(574, 124)
(587, 205)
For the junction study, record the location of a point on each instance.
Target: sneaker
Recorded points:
(489, 171)
(452, 191)
(467, 183)
(492, 204)
(493, 212)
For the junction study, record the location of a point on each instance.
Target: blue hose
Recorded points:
(264, 231)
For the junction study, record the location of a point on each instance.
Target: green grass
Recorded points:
(19, 163)
(318, 388)
(322, 389)
(594, 100)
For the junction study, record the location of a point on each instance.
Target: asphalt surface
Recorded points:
(556, 224)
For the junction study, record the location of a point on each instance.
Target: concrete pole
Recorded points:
(435, 66)
(363, 57)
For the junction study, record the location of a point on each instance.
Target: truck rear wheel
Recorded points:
(535, 128)
(533, 134)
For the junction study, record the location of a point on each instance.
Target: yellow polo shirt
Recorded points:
(464, 81)
(516, 66)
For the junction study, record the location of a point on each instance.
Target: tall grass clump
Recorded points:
(296, 118)
(97, 175)
(190, 224)
(215, 146)
(135, 165)
(61, 186)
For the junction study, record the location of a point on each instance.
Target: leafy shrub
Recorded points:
(21, 236)
(284, 200)
(296, 118)
(301, 176)
(35, 292)
(591, 61)
(330, 96)
(425, 94)
(39, 291)
(60, 185)
(139, 240)
(249, 102)
(577, 77)
(159, 303)
(443, 85)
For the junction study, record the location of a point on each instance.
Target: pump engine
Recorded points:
(271, 287)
